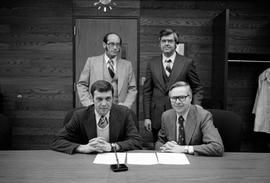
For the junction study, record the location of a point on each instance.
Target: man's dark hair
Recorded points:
(105, 38)
(166, 32)
(101, 86)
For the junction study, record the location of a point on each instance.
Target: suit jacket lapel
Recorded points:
(178, 66)
(120, 74)
(114, 124)
(172, 125)
(92, 127)
(190, 124)
(158, 67)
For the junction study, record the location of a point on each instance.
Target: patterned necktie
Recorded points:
(102, 122)
(168, 66)
(181, 136)
(111, 68)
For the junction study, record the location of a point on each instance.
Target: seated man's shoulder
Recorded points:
(120, 108)
(82, 111)
(168, 112)
(200, 110)
(123, 112)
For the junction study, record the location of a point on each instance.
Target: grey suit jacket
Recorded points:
(155, 91)
(200, 131)
(94, 70)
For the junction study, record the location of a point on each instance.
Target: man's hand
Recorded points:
(147, 125)
(103, 145)
(172, 146)
(94, 145)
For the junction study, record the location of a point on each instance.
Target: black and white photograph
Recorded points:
(134, 91)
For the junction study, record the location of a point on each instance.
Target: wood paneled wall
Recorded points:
(36, 68)
(36, 54)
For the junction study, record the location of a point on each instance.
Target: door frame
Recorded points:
(74, 89)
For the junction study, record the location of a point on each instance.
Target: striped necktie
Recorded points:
(111, 68)
(168, 66)
(102, 122)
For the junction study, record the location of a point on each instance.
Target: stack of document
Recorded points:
(142, 158)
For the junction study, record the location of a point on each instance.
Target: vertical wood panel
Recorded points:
(220, 56)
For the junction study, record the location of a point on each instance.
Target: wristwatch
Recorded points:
(186, 149)
(113, 146)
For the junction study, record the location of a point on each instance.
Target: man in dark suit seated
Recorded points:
(188, 128)
(99, 127)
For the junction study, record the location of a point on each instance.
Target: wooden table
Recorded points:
(49, 166)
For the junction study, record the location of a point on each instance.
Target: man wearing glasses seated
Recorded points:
(188, 128)
(112, 68)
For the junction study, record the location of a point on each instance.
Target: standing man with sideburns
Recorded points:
(99, 127)
(161, 73)
(109, 67)
(188, 128)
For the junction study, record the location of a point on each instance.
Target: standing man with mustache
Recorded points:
(99, 127)
(109, 67)
(161, 73)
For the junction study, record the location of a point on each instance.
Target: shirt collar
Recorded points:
(98, 116)
(183, 115)
(172, 57)
(107, 59)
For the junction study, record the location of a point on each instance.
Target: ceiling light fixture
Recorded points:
(105, 5)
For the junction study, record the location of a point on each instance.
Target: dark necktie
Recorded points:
(102, 122)
(181, 130)
(168, 66)
(110, 68)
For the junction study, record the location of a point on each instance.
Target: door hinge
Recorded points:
(74, 87)
(74, 30)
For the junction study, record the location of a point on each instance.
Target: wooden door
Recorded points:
(89, 34)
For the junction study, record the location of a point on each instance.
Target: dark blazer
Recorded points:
(82, 127)
(155, 92)
(200, 131)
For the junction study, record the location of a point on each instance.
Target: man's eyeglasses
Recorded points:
(181, 98)
(170, 41)
(111, 45)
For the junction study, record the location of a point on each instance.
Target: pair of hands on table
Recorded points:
(172, 146)
(97, 144)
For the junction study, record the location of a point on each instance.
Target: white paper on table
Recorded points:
(142, 158)
(109, 158)
(172, 158)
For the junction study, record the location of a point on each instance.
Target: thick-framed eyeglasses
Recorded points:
(181, 98)
(111, 45)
